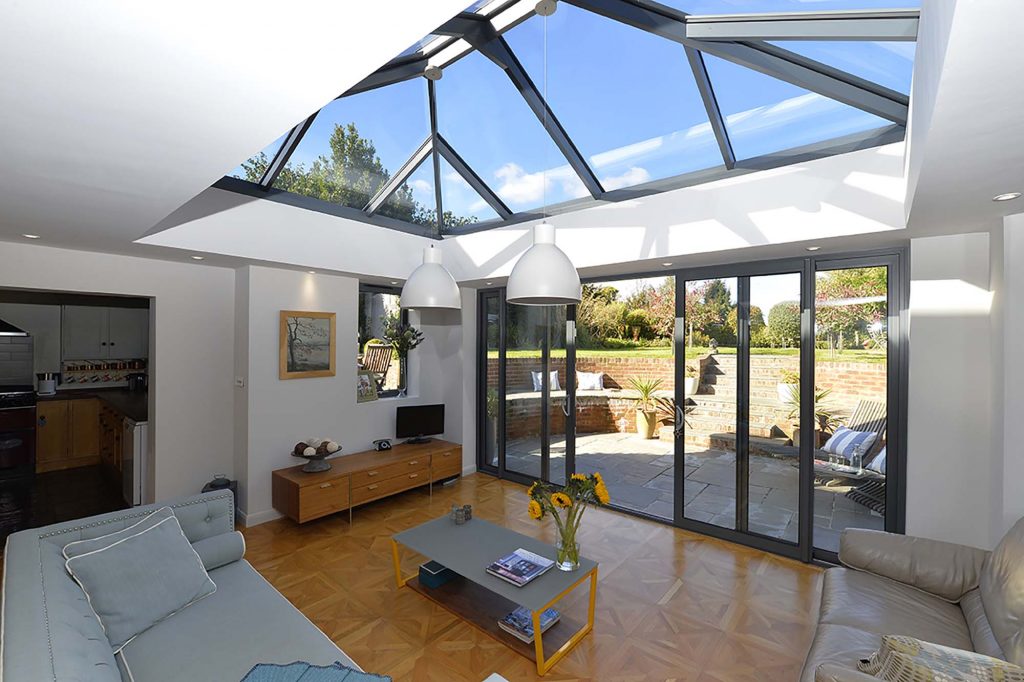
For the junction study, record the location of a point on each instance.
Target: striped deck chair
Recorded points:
(377, 359)
(869, 415)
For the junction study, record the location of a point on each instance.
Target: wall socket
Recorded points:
(239, 382)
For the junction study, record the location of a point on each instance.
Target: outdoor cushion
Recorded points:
(590, 381)
(223, 636)
(538, 380)
(1002, 593)
(882, 606)
(905, 659)
(79, 547)
(848, 443)
(141, 579)
(877, 462)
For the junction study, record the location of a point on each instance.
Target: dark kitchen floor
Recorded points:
(54, 497)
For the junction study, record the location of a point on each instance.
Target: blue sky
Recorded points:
(626, 98)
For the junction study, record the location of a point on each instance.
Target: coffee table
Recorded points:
(481, 599)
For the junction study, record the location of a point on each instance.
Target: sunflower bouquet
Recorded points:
(566, 507)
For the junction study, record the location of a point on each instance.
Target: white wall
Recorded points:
(43, 323)
(283, 412)
(950, 456)
(191, 349)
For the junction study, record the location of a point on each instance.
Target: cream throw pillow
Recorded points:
(905, 659)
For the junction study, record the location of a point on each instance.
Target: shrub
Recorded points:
(784, 324)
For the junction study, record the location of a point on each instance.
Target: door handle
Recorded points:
(680, 421)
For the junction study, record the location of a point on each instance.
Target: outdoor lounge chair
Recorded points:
(868, 415)
(377, 359)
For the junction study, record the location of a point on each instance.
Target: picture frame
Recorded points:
(308, 345)
(366, 386)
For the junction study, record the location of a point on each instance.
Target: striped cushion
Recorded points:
(848, 443)
(905, 659)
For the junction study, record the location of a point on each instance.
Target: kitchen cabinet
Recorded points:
(67, 434)
(97, 333)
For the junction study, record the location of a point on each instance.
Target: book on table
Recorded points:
(520, 567)
(520, 623)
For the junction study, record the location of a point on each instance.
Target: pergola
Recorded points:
(747, 40)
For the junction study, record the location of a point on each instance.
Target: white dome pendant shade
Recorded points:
(431, 286)
(544, 275)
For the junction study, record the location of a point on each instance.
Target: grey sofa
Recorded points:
(49, 631)
(938, 592)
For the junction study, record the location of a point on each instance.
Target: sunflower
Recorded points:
(601, 491)
(529, 493)
(535, 510)
(561, 500)
(579, 477)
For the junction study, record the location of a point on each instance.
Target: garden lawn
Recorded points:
(823, 355)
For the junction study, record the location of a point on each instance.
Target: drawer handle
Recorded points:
(413, 475)
(325, 485)
(372, 473)
(447, 454)
(372, 487)
(414, 462)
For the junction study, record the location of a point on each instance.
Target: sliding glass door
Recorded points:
(762, 404)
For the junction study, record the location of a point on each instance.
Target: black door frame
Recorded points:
(898, 261)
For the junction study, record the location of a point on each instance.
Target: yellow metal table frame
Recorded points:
(544, 665)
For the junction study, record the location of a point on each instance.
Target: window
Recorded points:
(380, 312)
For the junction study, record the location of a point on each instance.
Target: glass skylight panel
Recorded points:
(888, 63)
(757, 6)
(764, 115)
(419, 45)
(414, 201)
(253, 168)
(461, 204)
(627, 98)
(356, 143)
(483, 116)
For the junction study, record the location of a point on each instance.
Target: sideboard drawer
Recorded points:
(378, 474)
(322, 499)
(389, 486)
(445, 464)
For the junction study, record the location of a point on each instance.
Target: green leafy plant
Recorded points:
(404, 337)
(690, 371)
(646, 388)
(667, 412)
(492, 402)
(825, 415)
(789, 377)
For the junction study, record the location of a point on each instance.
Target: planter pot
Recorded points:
(491, 442)
(819, 437)
(785, 392)
(690, 385)
(646, 423)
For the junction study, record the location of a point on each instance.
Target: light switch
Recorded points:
(239, 382)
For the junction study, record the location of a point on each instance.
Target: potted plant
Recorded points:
(691, 380)
(404, 338)
(566, 507)
(669, 412)
(788, 383)
(825, 418)
(492, 423)
(646, 415)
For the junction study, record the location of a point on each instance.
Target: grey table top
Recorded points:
(470, 548)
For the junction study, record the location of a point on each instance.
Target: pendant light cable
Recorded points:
(547, 161)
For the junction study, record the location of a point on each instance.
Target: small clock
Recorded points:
(382, 445)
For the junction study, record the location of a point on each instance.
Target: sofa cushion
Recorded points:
(840, 645)
(220, 550)
(141, 579)
(977, 622)
(80, 547)
(902, 659)
(251, 623)
(1002, 593)
(882, 606)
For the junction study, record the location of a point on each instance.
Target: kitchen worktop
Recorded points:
(132, 404)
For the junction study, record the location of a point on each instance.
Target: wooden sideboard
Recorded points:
(363, 477)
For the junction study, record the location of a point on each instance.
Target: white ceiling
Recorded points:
(967, 140)
(117, 112)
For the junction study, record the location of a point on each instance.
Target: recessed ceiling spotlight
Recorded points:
(394, 281)
(666, 264)
(312, 272)
(488, 283)
(198, 257)
(813, 248)
(30, 236)
(432, 73)
(1008, 196)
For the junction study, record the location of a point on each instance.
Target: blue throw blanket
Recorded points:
(305, 672)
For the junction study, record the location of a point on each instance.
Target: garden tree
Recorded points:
(661, 306)
(756, 320)
(638, 321)
(607, 293)
(706, 308)
(599, 315)
(784, 324)
(350, 176)
(848, 303)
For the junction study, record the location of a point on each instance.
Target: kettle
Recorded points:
(46, 383)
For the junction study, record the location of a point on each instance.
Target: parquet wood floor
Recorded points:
(672, 605)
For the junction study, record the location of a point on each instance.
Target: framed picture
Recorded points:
(366, 386)
(307, 345)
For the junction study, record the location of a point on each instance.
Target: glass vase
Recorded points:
(567, 555)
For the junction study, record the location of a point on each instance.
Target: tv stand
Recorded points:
(419, 440)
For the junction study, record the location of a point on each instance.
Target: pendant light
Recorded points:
(431, 286)
(544, 275)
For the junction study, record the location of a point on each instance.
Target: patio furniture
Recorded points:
(377, 359)
(868, 415)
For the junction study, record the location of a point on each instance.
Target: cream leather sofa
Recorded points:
(938, 592)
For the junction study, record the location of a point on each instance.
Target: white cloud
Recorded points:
(422, 190)
(518, 187)
(634, 176)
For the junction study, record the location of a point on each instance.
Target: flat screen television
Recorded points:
(419, 421)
